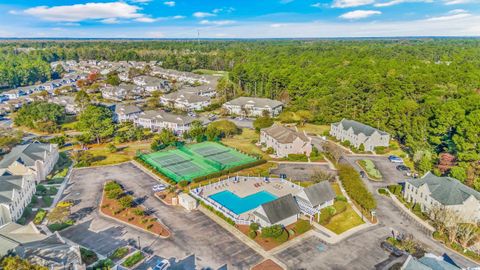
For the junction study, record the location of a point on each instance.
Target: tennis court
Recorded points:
(187, 163)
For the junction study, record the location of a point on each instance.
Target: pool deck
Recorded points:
(248, 186)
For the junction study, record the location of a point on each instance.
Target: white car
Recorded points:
(159, 187)
(162, 265)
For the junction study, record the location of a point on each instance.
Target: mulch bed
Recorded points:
(267, 265)
(108, 206)
(267, 243)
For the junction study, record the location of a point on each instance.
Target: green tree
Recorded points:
(41, 115)
(82, 99)
(165, 138)
(262, 122)
(113, 79)
(222, 128)
(96, 121)
(17, 263)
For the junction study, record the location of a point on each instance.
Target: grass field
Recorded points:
(314, 129)
(244, 142)
(344, 221)
(102, 156)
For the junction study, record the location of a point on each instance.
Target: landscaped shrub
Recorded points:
(269, 150)
(40, 216)
(383, 191)
(302, 226)
(370, 168)
(381, 150)
(47, 200)
(254, 226)
(340, 207)
(326, 214)
(355, 187)
(149, 226)
(133, 259)
(126, 201)
(252, 234)
(297, 157)
(64, 204)
(283, 237)
(229, 171)
(119, 253)
(34, 199)
(111, 185)
(395, 189)
(138, 212)
(183, 183)
(88, 256)
(41, 189)
(103, 264)
(272, 231)
(60, 226)
(218, 213)
(114, 193)
(340, 198)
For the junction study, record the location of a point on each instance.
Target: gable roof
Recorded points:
(26, 154)
(13, 234)
(428, 262)
(162, 116)
(126, 109)
(445, 190)
(186, 97)
(7, 184)
(279, 209)
(319, 193)
(284, 135)
(256, 102)
(358, 127)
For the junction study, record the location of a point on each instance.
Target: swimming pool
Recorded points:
(239, 205)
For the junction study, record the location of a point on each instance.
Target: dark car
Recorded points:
(391, 249)
(404, 169)
(363, 174)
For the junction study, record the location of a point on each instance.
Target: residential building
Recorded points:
(359, 134)
(203, 90)
(444, 192)
(12, 94)
(30, 244)
(314, 198)
(36, 159)
(185, 101)
(66, 101)
(16, 192)
(282, 211)
(114, 93)
(152, 84)
(428, 262)
(156, 120)
(285, 141)
(252, 106)
(125, 113)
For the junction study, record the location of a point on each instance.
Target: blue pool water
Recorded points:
(239, 205)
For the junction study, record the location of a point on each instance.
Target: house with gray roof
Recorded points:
(203, 90)
(282, 211)
(185, 101)
(156, 120)
(16, 192)
(12, 235)
(428, 262)
(314, 198)
(152, 84)
(37, 159)
(359, 134)
(66, 101)
(124, 113)
(285, 141)
(445, 192)
(253, 106)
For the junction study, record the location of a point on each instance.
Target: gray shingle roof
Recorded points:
(319, 193)
(26, 154)
(446, 190)
(184, 96)
(162, 116)
(358, 127)
(284, 135)
(280, 209)
(256, 102)
(126, 109)
(7, 184)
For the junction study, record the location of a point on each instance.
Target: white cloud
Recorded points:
(277, 25)
(317, 5)
(459, 2)
(177, 17)
(141, 1)
(219, 23)
(169, 3)
(88, 11)
(110, 21)
(351, 3)
(451, 15)
(203, 14)
(146, 20)
(359, 14)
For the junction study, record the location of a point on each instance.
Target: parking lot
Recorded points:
(388, 169)
(300, 171)
(360, 251)
(192, 232)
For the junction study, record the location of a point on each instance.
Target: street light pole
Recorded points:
(139, 247)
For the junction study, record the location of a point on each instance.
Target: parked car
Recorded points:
(363, 174)
(395, 159)
(391, 249)
(158, 188)
(162, 265)
(404, 169)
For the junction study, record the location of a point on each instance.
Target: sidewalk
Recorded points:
(61, 189)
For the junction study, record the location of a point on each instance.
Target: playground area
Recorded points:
(188, 162)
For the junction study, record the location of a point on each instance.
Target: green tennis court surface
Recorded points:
(189, 162)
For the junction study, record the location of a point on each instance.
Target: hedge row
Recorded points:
(218, 213)
(355, 187)
(229, 171)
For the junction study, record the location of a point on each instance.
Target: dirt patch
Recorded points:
(166, 197)
(267, 265)
(148, 223)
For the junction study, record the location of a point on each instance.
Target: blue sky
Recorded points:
(238, 19)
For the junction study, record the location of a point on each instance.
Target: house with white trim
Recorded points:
(185, 101)
(444, 192)
(156, 120)
(314, 198)
(359, 134)
(16, 192)
(285, 141)
(124, 113)
(252, 106)
(282, 211)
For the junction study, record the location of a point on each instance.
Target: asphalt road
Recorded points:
(192, 232)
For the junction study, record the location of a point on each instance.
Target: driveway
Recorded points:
(300, 171)
(192, 232)
(388, 169)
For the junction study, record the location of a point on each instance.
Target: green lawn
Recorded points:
(244, 142)
(344, 221)
(126, 152)
(314, 129)
(210, 72)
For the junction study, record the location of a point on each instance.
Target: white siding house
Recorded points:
(282, 211)
(16, 192)
(359, 134)
(251, 106)
(285, 141)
